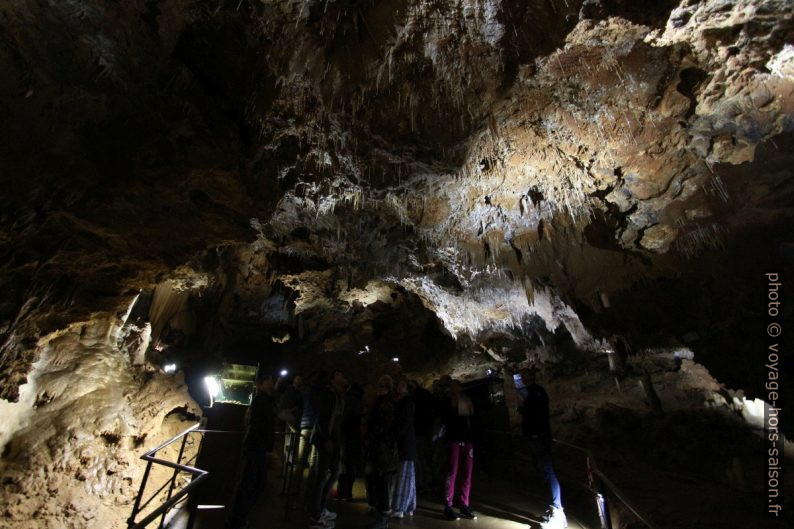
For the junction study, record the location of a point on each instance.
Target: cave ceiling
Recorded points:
(495, 161)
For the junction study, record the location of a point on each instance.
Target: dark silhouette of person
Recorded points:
(536, 426)
(257, 442)
(311, 392)
(382, 456)
(327, 439)
(424, 419)
(403, 485)
(352, 445)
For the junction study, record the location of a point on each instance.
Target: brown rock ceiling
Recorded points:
(445, 147)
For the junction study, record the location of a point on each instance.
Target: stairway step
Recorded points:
(210, 517)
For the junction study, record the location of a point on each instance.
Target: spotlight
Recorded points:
(169, 368)
(395, 359)
(283, 372)
(213, 388)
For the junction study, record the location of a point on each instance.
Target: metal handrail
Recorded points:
(593, 468)
(595, 486)
(290, 463)
(619, 495)
(198, 475)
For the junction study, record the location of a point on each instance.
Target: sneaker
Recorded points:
(449, 514)
(466, 512)
(381, 522)
(319, 523)
(397, 514)
(327, 515)
(557, 520)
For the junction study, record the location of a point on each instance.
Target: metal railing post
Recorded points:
(175, 494)
(173, 478)
(191, 518)
(285, 463)
(131, 519)
(598, 483)
(292, 463)
(597, 487)
(603, 510)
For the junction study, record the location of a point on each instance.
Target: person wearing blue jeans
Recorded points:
(536, 426)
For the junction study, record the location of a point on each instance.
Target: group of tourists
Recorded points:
(396, 434)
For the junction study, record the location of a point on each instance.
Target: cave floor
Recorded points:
(499, 504)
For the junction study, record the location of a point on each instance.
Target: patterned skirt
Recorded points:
(403, 488)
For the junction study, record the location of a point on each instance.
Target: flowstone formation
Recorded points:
(71, 444)
(489, 181)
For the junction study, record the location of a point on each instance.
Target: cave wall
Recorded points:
(72, 443)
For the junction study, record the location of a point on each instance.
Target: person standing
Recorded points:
(382, 457)
(352, 443)
(459, 438)
(536, 426)
(290, 406)
(403, 486)
(327, 439)
(439, 456)
(311, 391)
(424, 419)
(290, 403)
(257, 442)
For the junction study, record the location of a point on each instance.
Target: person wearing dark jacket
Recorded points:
(290, 406)
(382, 456)
(327, 439)
(311, 391)
(352, 443)
(536, 426)
(424, 419)
(257, 442)
(439, 457)
(403, 486)
(290, 403)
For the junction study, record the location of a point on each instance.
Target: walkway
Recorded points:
(498, 504)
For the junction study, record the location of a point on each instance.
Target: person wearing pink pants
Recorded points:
(459, 442)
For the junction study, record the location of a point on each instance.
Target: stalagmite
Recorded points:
(651, 398)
